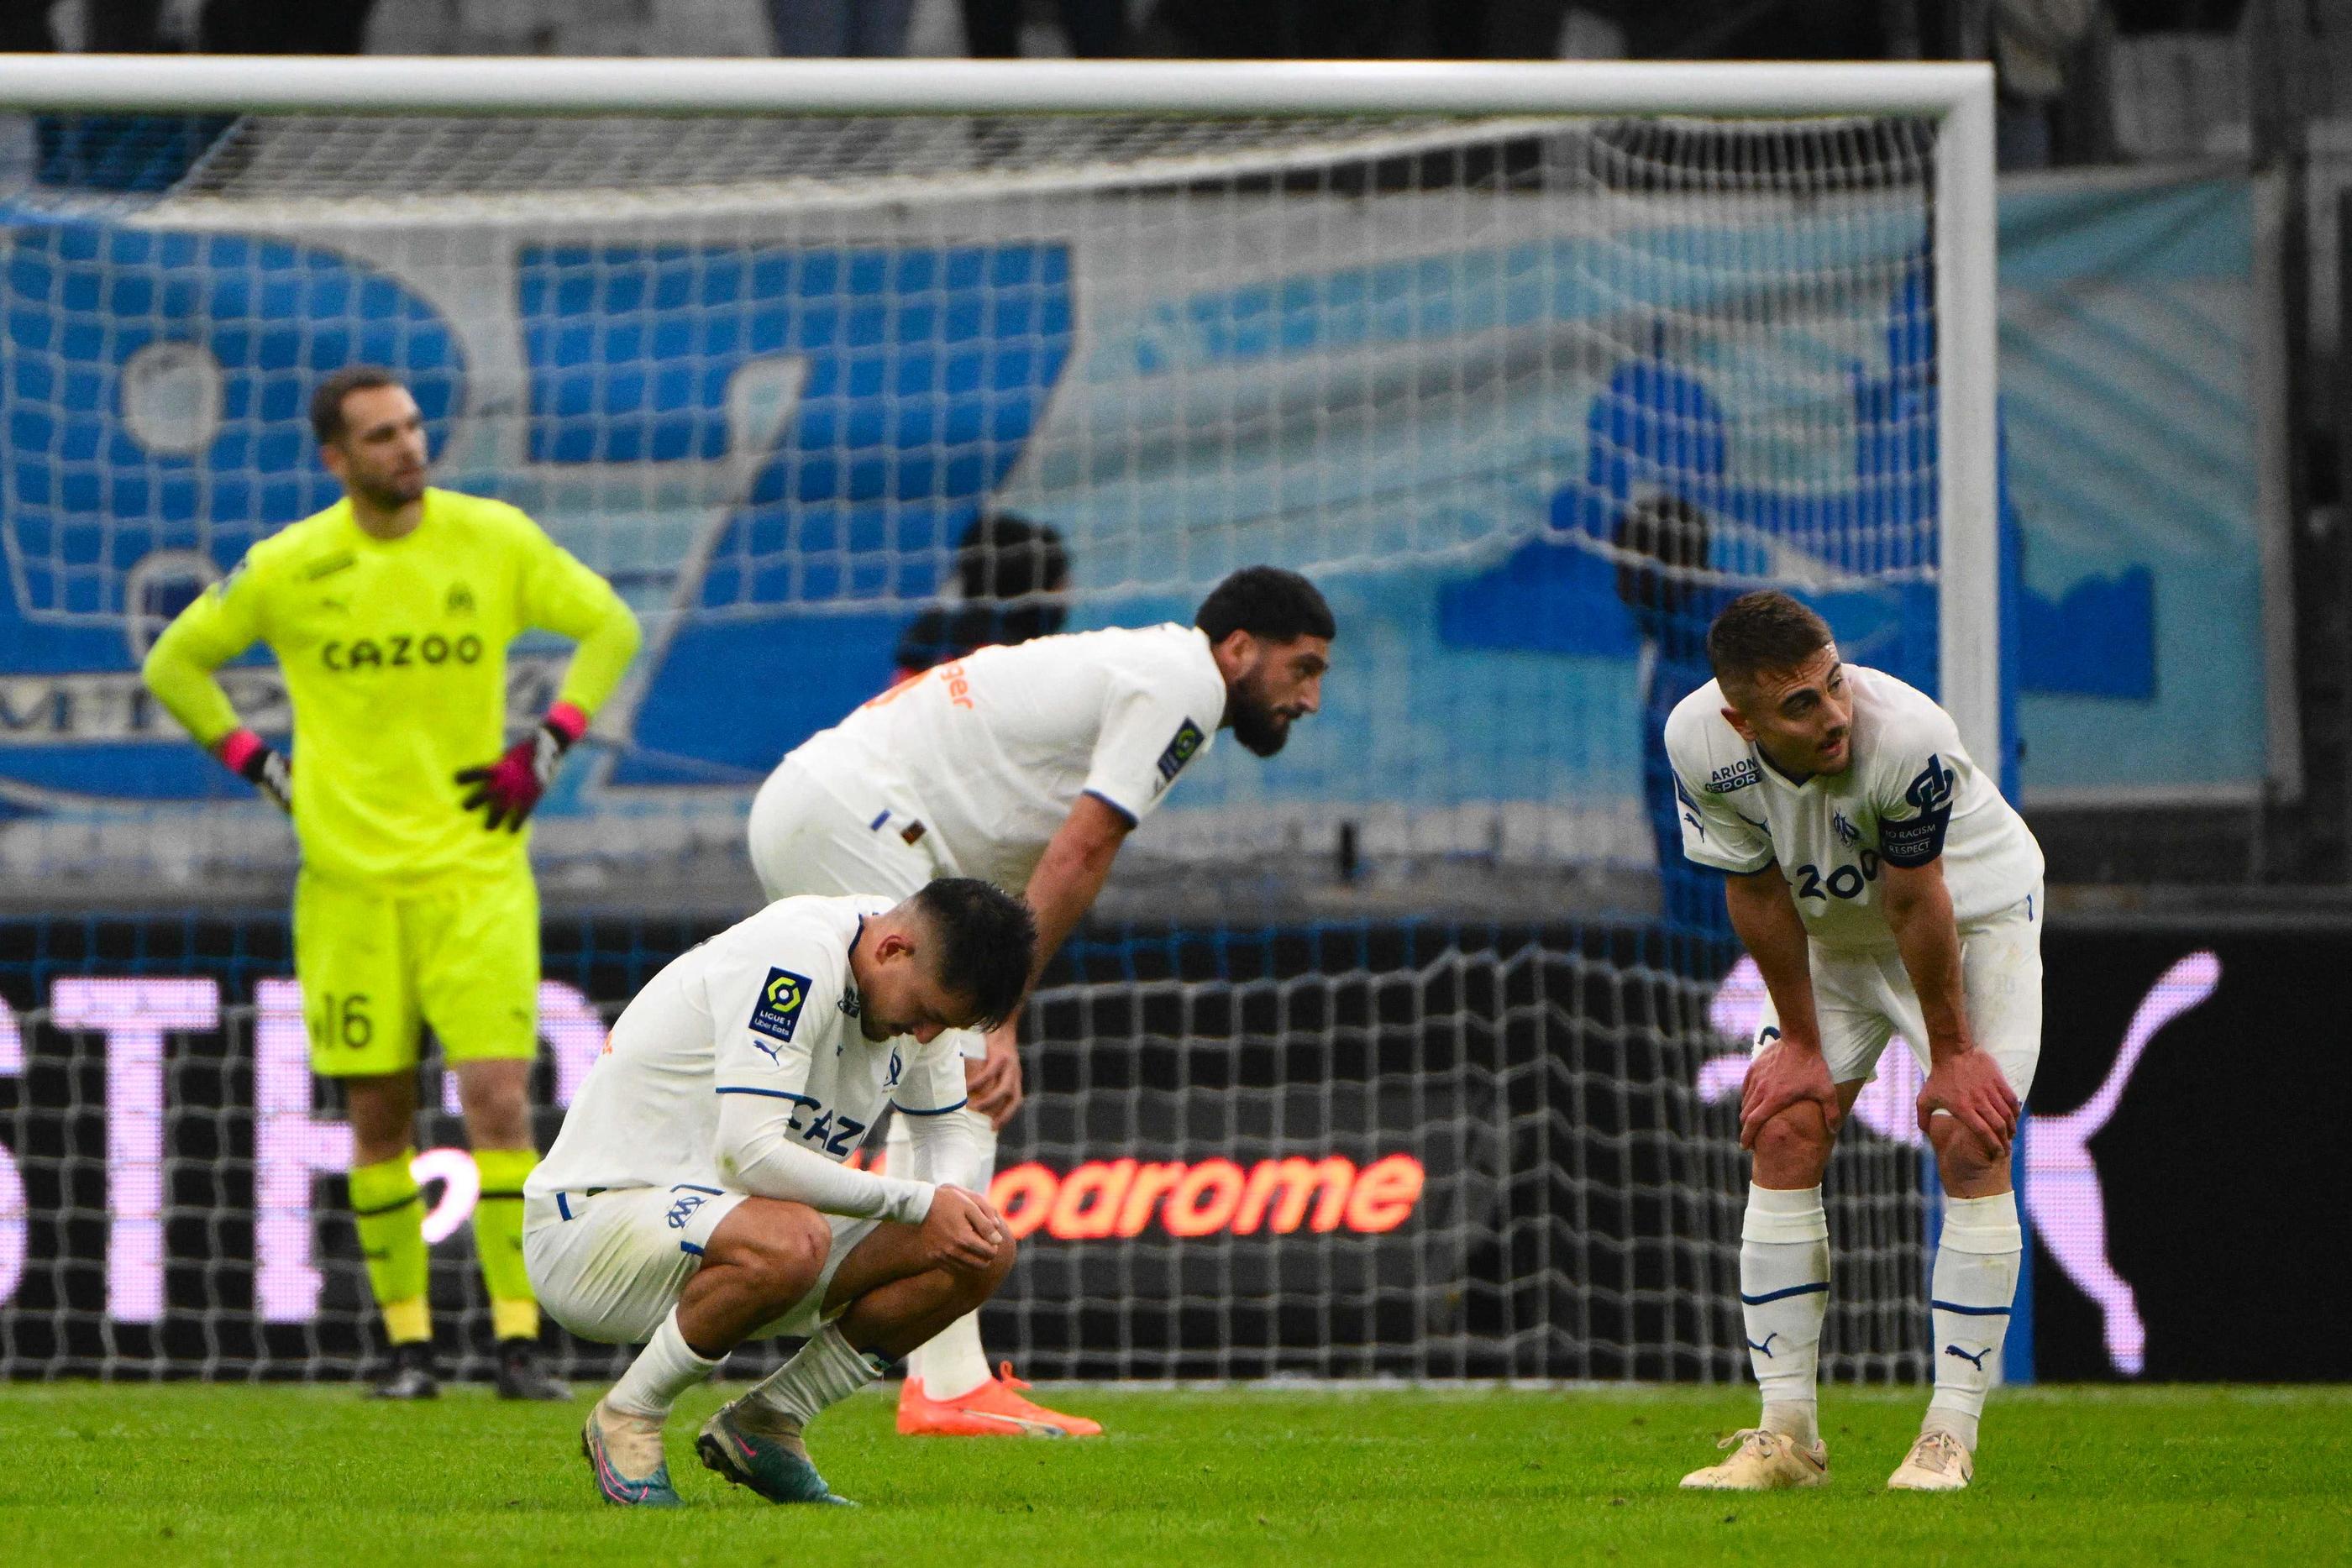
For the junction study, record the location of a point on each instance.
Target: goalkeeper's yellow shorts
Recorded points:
(375, 967)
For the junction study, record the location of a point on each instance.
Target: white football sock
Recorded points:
(1969, 1297)
(824, 1372)
(664, 1369)
(952, 1364)
(1784, 1285)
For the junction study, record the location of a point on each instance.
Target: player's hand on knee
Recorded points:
(992, 1085)
(963, 1232)
(1970, 1089)
(1784, 1074)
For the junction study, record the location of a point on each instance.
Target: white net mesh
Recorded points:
(1528, 398)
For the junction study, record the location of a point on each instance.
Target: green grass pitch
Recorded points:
(185, 1473)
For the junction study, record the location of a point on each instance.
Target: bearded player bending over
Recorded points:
(1028, 765)
(1883, 885)
(696, 1198)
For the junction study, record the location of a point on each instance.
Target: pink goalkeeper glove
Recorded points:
(508, 788)
(249, 757)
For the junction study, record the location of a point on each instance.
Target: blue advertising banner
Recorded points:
(770, 441)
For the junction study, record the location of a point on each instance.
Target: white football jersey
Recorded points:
(1910, 794)
(990, 751)
(768, 1007)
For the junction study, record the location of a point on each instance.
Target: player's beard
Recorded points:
(1257, 724)
(392, 492)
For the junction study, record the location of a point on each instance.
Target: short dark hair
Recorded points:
(1768, 630)
(1005, 556)
(1655, 532)
(988, 943)
(327, 399)
(1267, 602)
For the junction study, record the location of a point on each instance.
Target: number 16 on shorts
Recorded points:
(340, 1022)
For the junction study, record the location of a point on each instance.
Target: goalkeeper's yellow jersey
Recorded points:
(395, 656)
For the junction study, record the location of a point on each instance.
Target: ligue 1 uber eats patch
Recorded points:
(1180, 751)
(778, 1010)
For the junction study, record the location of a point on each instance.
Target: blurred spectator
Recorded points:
(24, 28)
(1495, 29)
(276, 27)
(2033, 42)
(2178, 16)
(841, 30)
(1664, 581)
(1097, 29)
(1013, 573)
(1275, 29)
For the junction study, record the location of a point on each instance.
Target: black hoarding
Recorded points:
(2204, 1158)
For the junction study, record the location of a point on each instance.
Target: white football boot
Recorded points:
(1763, 1461)
(1937, 1462)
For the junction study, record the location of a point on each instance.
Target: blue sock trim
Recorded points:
(1748, 1300)
(1965, 1312)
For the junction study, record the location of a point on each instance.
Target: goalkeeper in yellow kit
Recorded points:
(390, 613)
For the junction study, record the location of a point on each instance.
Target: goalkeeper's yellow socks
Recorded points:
(390, 1215)
(498, 1241)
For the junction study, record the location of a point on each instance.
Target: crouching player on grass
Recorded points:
(696, 1197)
(1883, 885)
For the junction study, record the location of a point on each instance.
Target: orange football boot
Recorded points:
(995, 1409)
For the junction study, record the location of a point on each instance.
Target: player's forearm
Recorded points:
(1064, 886)
(607, 646)
(1766, 919)
(183, 683)
(758, 1155)
(949, 1143)
(1928, 939)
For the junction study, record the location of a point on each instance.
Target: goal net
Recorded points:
(1413, 1051)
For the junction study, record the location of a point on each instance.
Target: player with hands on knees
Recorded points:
(1883, 887)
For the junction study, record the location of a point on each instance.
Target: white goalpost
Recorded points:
(1403, 1054)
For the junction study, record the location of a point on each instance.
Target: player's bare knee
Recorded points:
(797, 1250)
(494, 1097)
(1797, 1137)
(781, 1255)
(1966, 1170)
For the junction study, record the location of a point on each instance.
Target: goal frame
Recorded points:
(1959, 95)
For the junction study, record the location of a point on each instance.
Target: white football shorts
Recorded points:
(610, 1265)
(1864, 998)
(804, 840)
